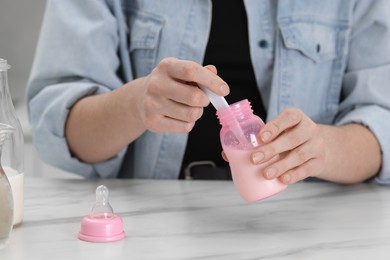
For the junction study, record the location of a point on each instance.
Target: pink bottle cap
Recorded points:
(102, 225)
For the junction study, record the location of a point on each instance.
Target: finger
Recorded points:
(287, 141)
(187, 94)
(224, 156)
(163, 124)
(270, 161)
(194, 72)
(182, 92)
(181, 112)
(287, 119)
(309, 168)
(293, 159)
(212, 68)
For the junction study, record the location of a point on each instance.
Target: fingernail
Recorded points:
(257, 157)
(270, 173)
(224, 89)
(266, 136)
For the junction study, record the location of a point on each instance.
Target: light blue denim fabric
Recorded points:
(329, 58)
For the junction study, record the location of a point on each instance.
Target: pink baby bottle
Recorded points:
(240, 128)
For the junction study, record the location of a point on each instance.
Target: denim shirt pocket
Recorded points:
(144, 36)
(314, 54)
(319, 41)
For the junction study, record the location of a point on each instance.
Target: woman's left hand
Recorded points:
(295, 144)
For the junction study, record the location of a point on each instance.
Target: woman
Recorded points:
(114, 85)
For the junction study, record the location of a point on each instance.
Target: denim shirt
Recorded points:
(331, 59)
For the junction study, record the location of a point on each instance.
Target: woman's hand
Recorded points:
(294, 148)
(295, 144)
(167, 100)
(170, 100)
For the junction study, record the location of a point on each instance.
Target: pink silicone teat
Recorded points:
(102, 225)
(102, 206)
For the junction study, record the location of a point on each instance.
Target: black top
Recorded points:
(228, 50)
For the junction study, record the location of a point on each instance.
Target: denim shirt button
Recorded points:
(263, 44)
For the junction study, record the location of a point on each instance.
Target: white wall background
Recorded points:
(20, 22)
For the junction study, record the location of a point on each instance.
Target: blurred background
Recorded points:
(20, 22)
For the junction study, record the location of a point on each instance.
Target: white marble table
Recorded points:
(205, 220)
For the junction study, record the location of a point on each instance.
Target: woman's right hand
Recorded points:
(167, 100)
(170, 100)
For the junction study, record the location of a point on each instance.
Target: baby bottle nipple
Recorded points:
(102, 208)
(102, 225)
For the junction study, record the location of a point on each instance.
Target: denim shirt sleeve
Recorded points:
(62, 74)
(366, 84)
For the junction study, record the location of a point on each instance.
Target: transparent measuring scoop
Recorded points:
(220, 102)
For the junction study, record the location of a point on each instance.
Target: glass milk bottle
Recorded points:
(13, 149)
(240, 128)
(6, 198)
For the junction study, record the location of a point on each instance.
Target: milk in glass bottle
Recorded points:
(12, 159)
